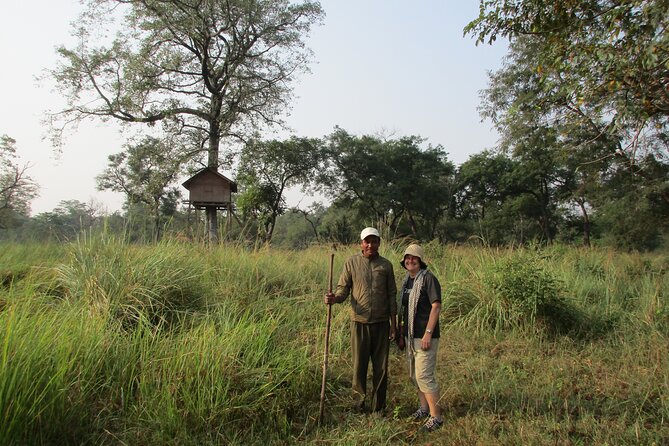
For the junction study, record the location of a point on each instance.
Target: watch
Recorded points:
(428, 330)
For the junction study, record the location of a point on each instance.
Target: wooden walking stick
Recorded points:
(327, 343)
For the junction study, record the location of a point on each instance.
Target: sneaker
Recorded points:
(432, 424)
(419, 414)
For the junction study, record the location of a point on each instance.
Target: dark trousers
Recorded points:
(370, 341)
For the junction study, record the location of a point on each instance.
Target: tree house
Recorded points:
(208, 188)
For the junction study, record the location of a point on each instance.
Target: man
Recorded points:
(370, 280)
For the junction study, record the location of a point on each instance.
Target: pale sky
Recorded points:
(390, 67)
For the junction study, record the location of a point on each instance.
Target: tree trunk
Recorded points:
(545, 199)
(586, 223)
(394, 222)
(212, 162)
(156, 220)
(275, 212)
(212, 224)
(269, 228)
(412, 224)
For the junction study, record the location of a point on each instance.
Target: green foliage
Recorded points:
(628, 223)
(393, 182)
(339, 225)
(267, 169)
(49, 371)
(145, 172)
(610, 54)
(523, 287)
(234, 71)
(632, 215)
(483, 182)
(293, 231)
(506, 198)
(128, 283)
(17, 189)
(518, 291)
(65, 222)
(578, 103)
(207, 71)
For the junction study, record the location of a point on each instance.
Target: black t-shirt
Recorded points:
(430, 293)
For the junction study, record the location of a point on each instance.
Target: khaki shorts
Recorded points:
(424, 364)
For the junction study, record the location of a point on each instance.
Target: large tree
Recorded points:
(566, 146)
(17, 189)
(610, 57)
(483, 185)
(210, 70)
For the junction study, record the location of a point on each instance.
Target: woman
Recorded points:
(421, 303)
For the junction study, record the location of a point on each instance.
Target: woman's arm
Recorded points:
(426, 342)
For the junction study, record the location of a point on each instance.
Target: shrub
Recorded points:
(518, 292)
(523, 286)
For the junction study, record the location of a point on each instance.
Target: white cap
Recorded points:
(369, 231)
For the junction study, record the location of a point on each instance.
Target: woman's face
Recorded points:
(412, 264)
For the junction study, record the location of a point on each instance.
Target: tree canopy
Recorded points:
(607, 57)
(145, 173)
(267, 169)
(582, 96)
(580, 104)
(388, 180)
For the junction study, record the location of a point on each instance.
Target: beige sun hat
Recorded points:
(416, 251)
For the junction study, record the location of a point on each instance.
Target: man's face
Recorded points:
(370, 245)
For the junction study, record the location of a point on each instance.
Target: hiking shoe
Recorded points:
(419, 414)
(432, 424)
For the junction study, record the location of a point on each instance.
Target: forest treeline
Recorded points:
(397, 184)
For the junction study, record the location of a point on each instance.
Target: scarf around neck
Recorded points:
(414, 294)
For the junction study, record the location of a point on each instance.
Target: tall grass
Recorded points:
(48, 369)
(129, 282)
(109, 343)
